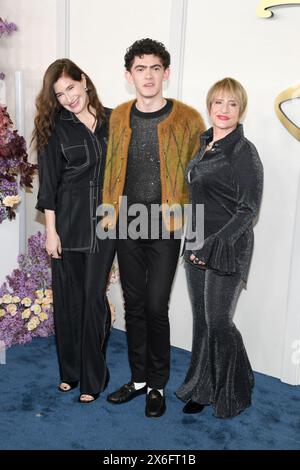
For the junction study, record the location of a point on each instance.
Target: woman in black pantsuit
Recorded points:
(226, 176)
(71, 131)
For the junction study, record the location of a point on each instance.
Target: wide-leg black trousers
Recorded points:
(82, 316)
(219, 373)
(147, 269)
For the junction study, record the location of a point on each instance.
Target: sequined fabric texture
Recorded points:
(220, 373)
(228, 180)
(142, 184)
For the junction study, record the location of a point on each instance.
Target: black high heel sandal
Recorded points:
(72, 385)
(94, 395)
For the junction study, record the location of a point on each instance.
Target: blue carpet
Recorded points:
(34, 415)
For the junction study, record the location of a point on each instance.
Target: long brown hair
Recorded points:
(47, 105)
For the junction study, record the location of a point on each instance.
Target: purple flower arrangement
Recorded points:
(7, 28)
(15, 169)
(26, 303)
(14, 166)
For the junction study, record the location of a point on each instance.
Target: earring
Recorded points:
(85, 88)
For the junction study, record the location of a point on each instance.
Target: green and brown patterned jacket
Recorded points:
(178, 137)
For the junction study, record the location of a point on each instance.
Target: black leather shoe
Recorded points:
(192, 407)
(155, 404)
(126, 393)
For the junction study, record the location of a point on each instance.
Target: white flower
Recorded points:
(36, 309)
(15, 299)
(39, 293)
(26, 313)
(10, 201)
(114, 275)
(6, 299)
(12, 309)
(2, 312)
(26, 301)
(33, 323)
(43, 316)
(46, 306)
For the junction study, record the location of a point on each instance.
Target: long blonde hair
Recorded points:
(47, 105)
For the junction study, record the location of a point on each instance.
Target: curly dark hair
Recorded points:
(47, 104)
(147, 46)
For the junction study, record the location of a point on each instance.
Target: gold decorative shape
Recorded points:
(291, 93)
(263, 8)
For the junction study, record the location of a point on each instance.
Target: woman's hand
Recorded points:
(53, 245)
(196, 260)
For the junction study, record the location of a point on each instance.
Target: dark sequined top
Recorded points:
(143, 183)
(228, 180)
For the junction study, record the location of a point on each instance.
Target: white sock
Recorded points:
(160, 390)
(138, 385)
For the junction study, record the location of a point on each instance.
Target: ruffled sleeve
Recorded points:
(216, 253)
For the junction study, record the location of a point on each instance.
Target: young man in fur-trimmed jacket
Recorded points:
(151, 141)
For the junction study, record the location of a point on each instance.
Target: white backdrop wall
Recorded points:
(207, 40)
(100, 33)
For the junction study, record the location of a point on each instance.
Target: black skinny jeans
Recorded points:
(147, 269)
